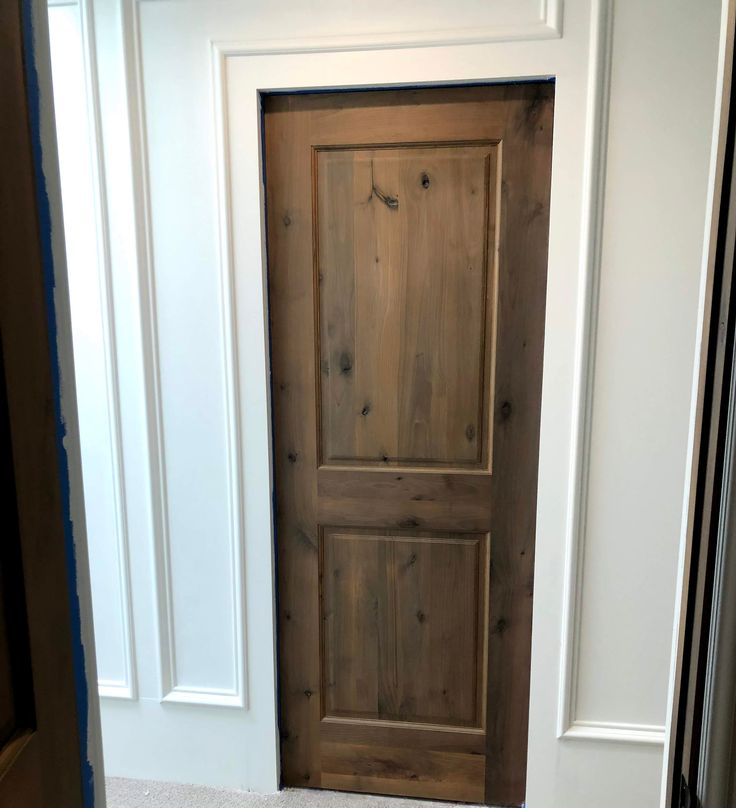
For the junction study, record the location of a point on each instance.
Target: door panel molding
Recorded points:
(466, 425)
(388, 562)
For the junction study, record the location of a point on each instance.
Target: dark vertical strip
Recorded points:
(33, 95)
(13, 612)
(272, 439)
(717, 392)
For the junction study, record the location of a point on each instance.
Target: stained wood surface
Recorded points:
(404, 625)
(362, 498)
(403, 770)
(407, 239)
(403, 303)
(39, 742)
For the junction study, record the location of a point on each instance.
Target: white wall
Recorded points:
(179, 124)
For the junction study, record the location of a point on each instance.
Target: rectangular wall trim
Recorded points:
(125, 687)
(129, 688)
(610, 731)
(590, 258)
(569, 724)
(548, 25)
(171, 689)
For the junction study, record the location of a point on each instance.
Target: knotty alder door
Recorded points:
(407, 244)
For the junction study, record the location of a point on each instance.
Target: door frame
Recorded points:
(696, 759)
(243, 72)
(61, 479)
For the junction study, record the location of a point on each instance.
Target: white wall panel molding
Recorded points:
(172, 689)
(127, 688)
(88, 237)
(599, 78)
(521, 20)
(611, 731)
(587, 709)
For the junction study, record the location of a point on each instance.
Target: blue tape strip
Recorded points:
(47, 258)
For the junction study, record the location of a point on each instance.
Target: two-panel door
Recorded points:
(407, 245)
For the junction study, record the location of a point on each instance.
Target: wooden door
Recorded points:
(407, 244)
(40, 762)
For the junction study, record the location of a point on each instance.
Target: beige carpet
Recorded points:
(145, 794)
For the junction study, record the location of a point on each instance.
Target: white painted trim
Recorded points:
(115, 690)
(552, 14)
(233, 412)
(209, 697)
(171, 691)
(130, 688)
(126, 689)
(587, 317)
(548, 26)
(613, 731)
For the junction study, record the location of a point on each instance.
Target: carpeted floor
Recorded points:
(146, 794)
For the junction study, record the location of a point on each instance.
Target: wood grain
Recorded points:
(521, 304)
(402, 733)
(404, 327)
(404, 625)
(40, 762)
(407, 239)
(367, 498)
(411, 771)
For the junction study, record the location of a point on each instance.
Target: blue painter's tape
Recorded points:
(47, 258)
